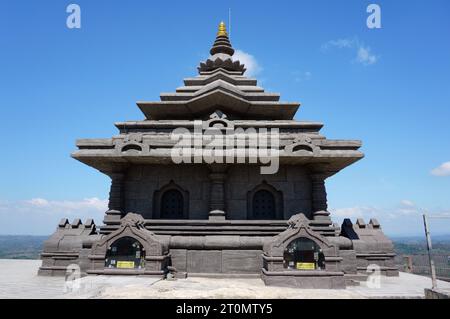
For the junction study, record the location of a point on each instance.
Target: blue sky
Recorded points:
(389, 87)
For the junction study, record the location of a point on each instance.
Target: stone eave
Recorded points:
(218, 99)
(229, 72)
(249, 96)
(332, 148)
(95, 143)
(107, 160)
(282, 124)
(227, 88)
(203, 80)
(243, 88)
(327, 144)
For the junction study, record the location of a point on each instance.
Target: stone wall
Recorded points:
(142, 181)
(292, 181)
(217, 261)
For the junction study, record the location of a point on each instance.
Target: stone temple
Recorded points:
(172, 213)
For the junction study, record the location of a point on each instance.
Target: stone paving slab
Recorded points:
(405, 286)
(18, 279)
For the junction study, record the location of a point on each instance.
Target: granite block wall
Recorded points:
(292, 181)
(217, 261)
(143, 180)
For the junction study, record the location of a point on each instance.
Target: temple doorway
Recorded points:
(125, 253)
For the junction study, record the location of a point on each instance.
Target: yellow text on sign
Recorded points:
(305, 266)
(125, 264)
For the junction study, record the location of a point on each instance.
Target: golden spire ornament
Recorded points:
(222, 30)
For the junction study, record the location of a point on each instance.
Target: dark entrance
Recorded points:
(125, 253)
(172, 205)
(303, 254)
(264, 205)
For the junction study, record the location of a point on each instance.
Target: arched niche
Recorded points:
(303, 253)
(130, 148)
(171, 202)
(217, 121)
(131, 249)
(299, 244)
(132, 144)
(298, 227)
(264, 202)
(125, 253)
(302, 146)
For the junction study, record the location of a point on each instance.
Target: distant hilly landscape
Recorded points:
(30, 247)
(416, 245)
(21, 247)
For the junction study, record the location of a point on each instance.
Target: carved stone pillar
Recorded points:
(116, 191)
(319, 193)
(217, 192)
(320, 215)
(116, 199)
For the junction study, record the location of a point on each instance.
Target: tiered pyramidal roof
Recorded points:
(220, 90)
(220, 84)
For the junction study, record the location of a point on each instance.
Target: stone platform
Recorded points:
(437, 293)
(18, 279)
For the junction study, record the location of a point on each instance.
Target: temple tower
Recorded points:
(218, 167)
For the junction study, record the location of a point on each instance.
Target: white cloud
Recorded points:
(39, 216)
(442, 170)
(38, 202)
(68, 207)
(365, 57)
(252, 66)
(405, 207)
(354, 212)
(299, 76)
(403, 219)
(407, 203)
(340, 43)
(363, 53)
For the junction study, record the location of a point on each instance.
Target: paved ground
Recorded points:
(18, 279)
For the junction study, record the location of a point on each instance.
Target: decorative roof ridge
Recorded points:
(220, 84)
(222, 76)
(221, 55)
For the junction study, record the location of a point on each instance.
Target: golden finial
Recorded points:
(222, 30)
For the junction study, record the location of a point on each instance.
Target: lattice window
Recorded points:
(264, 205)
(172, 204)
(303, 254)
(125, 252)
